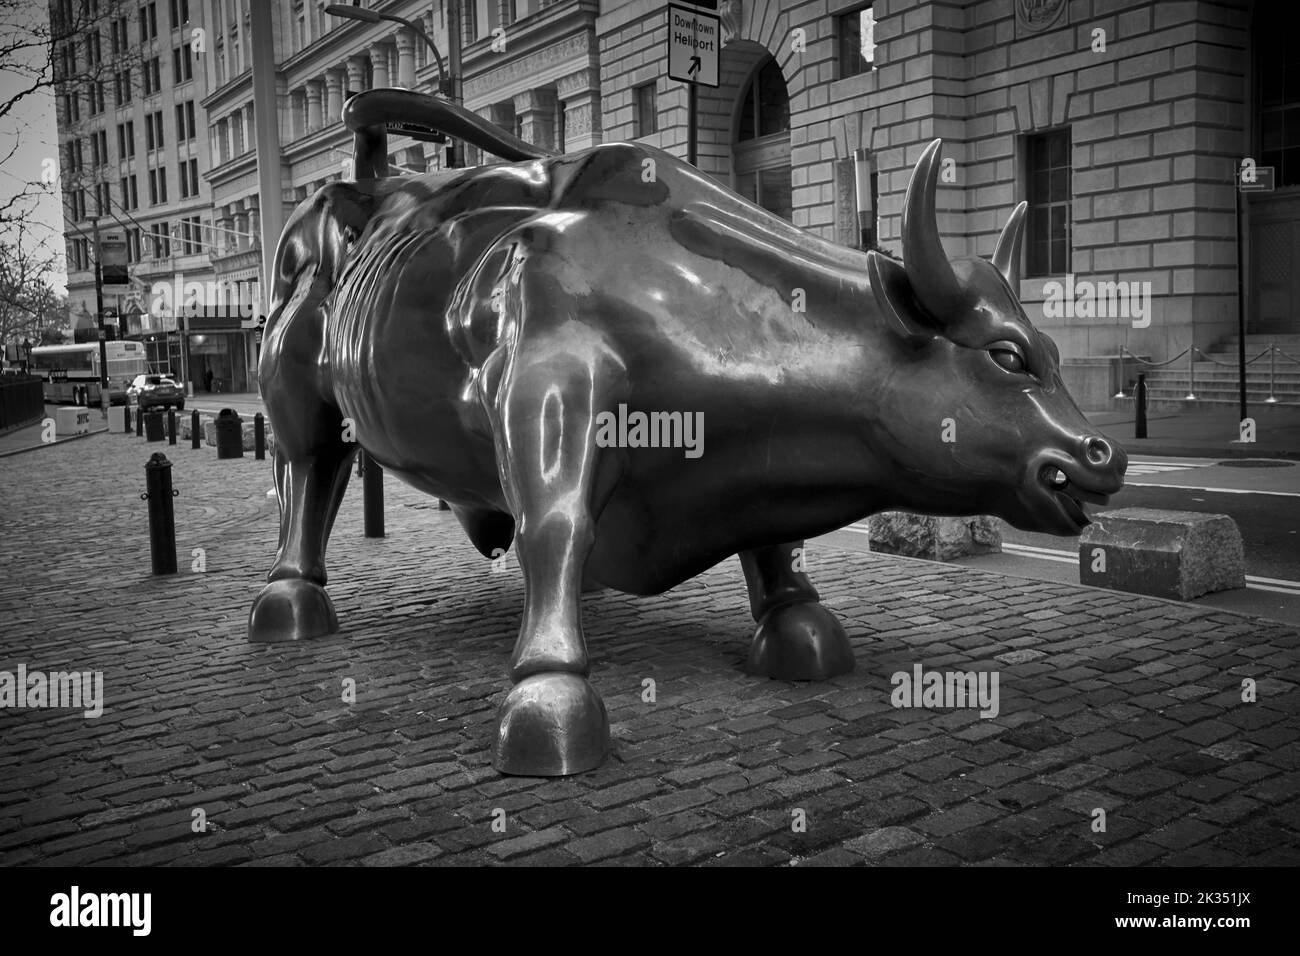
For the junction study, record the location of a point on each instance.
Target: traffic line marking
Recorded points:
(1253, 581)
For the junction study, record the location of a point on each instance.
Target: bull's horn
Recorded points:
(1007, 254)
(928, 270)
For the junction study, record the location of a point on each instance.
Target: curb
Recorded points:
(50, 444)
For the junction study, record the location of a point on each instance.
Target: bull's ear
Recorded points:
(895, 300)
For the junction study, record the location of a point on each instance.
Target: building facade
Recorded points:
(128, 88)
(1122, 123)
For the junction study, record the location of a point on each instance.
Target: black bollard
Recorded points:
(126, 415)
(259, 436)
(171, 426)
(1140, 403)
(372, 493)
(162, 520)
(139, 421)
(196, 436)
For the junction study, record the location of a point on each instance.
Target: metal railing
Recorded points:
(1272, 351)
(22, 400)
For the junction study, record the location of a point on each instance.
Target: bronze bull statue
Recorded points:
(484, 329)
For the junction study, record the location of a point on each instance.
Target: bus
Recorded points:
(71, 372)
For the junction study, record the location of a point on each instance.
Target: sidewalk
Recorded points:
(1207, 433)
(29, 438)
(1107, 701)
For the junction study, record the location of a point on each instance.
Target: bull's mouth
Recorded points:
(1069, 495)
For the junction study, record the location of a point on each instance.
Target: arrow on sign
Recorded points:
(694, 67)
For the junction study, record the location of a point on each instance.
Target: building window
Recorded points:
(761, 153)
(117, 35)
(95, 96)
(122, 86)
(160, 240)
(158, 186)
(103, 199)
(93, 53)
(180, 13)
(148, 22)
(130, 198)
(185, 128)
(1279, 98)
(1050, 191)
(857, 33)
(645, 102)
(188, 173)
(152, 76)
(182, 64)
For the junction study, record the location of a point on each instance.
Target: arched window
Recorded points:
(761, 152)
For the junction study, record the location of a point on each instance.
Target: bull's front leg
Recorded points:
(552, 722)
(797, 638)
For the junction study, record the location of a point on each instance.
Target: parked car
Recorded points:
(156, 391)
(119, 392)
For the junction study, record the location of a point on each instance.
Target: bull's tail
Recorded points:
(372, 114)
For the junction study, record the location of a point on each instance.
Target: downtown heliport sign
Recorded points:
(694, 39)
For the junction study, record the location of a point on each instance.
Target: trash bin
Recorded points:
(230, 434)
(153, 425)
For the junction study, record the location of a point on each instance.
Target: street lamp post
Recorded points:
(448, 81)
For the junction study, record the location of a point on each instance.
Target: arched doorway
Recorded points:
(760, 151)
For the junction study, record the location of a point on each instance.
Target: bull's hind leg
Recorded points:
(797, 638)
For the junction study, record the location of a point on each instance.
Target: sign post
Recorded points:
(694, 39)
(1249, 179)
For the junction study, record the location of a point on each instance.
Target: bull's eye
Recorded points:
(1008, 356)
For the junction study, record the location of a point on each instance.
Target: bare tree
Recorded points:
(29, 308)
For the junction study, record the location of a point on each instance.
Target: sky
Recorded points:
(32, 125)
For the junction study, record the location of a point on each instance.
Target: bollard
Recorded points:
(230, 434)
(153, 425)
(127, 418)
(139, 421)
(1140, 404)
(196, 435)
(171, 426)
(162, 519)
(259, 436)
(372, 493)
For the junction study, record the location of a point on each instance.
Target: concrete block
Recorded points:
(117, 419)
(935, 538)
(1170, 554)
(71, 420)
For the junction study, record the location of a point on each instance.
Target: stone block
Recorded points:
(1170, 554)
(935, 538)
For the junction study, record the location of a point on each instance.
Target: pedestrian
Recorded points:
(207, 380)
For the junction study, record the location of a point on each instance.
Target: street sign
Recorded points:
(1255, 179)
(112, 259)
(693, 42)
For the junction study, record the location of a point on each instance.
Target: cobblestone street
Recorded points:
(1109, 701)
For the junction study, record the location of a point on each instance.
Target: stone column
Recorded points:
(580, 93)
(379, 64)
(254, 223)
(333, 96)
(405, 59)
(356, 75)
(535, 111)
(314, 90)
(225, 240)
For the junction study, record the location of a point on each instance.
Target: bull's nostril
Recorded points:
(1098, 451)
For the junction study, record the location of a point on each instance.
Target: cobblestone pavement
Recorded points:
(1108, 701)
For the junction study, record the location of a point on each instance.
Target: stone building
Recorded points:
(128, 88)
(1121, 122)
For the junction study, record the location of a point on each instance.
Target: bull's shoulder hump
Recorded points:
(611, 173)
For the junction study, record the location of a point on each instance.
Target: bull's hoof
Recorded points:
(551, 725)
(801, 641)
(292, 609)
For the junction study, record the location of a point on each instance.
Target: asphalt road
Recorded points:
(1262, 496)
